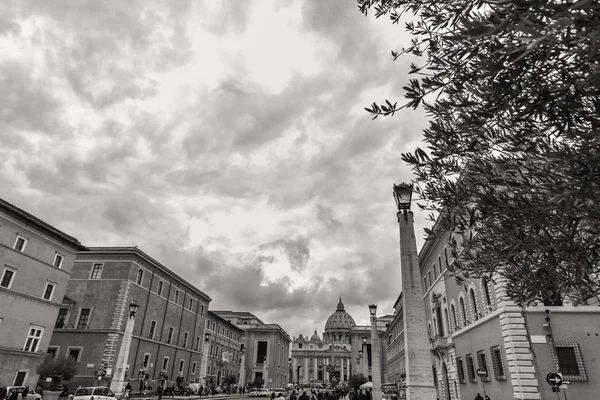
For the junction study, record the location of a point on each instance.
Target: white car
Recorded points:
(94, 393)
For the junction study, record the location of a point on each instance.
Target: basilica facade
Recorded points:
(344, 350)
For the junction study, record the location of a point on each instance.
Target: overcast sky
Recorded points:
(226, 139)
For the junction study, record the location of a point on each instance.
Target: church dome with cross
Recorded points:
(338, 325)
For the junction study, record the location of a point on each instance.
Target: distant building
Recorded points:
(266, 349)
(35, 264)
(224, 349)
(345, 350)
(395, 361)
(473, 324)
(169, 325)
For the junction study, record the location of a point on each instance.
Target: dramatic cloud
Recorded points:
(226, 139)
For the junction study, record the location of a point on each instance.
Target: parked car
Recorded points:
(94, 393)
(253, 393)
(32, 395)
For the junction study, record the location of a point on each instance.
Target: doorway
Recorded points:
(446, 382)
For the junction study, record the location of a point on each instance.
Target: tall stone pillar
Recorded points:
(306, 375)
(316, 370)
(419, 376)
(326, 372)
(295, 370)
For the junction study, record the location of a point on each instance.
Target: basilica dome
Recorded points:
(315, 337)
(340, 319)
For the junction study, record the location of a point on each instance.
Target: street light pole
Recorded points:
(376, 361)
(116, 384)
(419, 378)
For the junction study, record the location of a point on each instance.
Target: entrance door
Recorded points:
(446, 382)
(20, 378)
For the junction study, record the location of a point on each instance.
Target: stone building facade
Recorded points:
(35, 264)
(393, 339)
(169, 325)
(224, 355)
(473, 324)
(266, 349)
(345, 348)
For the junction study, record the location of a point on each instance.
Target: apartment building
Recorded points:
(473, 325)
(35, 264)
(224, 345)
(168, 328)
(267, 349)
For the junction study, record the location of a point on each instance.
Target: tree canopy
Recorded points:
(58, 369)
(512, 160)
(354, 381)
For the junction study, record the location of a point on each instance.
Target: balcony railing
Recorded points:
(439, 342)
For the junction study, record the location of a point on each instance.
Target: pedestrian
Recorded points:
(14, 395)
(159, 392)
(303, 396)
(128, 390)
(293, 395)
(272, 395)
(478, 397)
(281, 397)
(487, 397)
(25, 392)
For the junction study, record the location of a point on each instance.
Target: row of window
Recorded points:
(165, 364)
(438, 269)
(497, 366)
(221, 330)
(96, 273)
(8, 277)
(21, 243)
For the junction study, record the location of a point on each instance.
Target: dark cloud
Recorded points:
(325, 215)
(296, 250)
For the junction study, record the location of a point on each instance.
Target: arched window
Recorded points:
(474, 304)
(486, 291)
(463, 311)
(454, 321)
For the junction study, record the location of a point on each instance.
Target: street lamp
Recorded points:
(419, 378)
(375, 362)
(117, 383)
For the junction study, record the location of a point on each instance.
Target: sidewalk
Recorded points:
(222, 396)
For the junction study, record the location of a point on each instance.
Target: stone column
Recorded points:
(316, 371)
(294, 370)
(419, 377)
(306, 375)
(326, 373)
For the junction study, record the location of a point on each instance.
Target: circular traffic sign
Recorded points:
(482, 372)
(554, 379)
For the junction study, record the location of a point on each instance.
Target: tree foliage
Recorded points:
(230, 380)
(354, 381)
(58, 369)
(511, 88)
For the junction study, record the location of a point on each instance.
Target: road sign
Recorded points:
(554, 379)
(482, 372)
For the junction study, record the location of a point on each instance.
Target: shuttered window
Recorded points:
(498, 363)
(470, 368)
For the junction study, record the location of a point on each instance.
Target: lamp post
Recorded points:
(116, 384)
(242, 380)
(204, 365)
(375, 362)
(419, 378)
